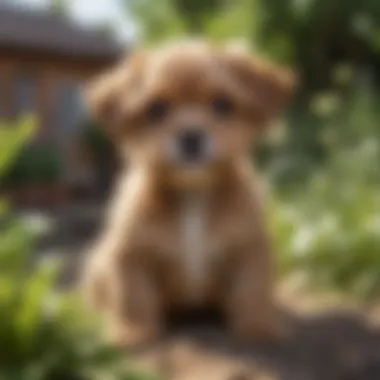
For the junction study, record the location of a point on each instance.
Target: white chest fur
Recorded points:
(193, 220)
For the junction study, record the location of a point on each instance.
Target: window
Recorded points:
(24, 96)
(70, 114)
(69, 120)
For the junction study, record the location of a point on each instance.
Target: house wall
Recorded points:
(48, 73)
(52, 78)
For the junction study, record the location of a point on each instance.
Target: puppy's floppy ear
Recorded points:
(106, 97)
(267, 87)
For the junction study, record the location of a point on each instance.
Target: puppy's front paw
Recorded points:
(131, 335)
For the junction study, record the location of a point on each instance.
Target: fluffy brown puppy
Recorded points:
(185, 228)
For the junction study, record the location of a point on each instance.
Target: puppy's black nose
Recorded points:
(192, 144)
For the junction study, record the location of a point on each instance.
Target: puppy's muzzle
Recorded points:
(192, 145)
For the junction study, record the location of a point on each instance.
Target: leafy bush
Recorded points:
(328, 231)
(96, 140)
(43, 335)
(34, 164)
(331, 241)
(22, 162)
(12, 139)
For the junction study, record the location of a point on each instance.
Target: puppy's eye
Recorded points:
(157, 110)
(222, 106)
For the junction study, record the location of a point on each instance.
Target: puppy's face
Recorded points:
(190, 109)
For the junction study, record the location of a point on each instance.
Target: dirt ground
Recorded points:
(331, 339)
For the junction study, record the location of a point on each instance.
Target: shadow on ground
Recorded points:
(333, 345)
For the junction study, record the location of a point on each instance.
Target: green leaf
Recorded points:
(34, 306)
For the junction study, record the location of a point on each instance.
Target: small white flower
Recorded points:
(328, 223)
(302, 239)
(372, 225)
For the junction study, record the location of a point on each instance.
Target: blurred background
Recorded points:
(56, 167)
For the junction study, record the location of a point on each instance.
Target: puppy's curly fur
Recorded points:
(182, 236)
